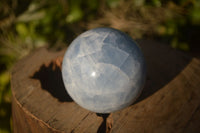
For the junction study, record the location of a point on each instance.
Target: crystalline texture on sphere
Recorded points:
(103, 70)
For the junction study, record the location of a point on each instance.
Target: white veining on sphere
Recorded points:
(88, 34)
(91, 45)
(103, 70)
(131, 67)
(87, 48)
(110, 55)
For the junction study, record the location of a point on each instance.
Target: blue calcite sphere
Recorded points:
(103, 70)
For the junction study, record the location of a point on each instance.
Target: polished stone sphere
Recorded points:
(103, 70)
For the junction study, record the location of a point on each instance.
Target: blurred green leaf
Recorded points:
(4, 79)
(5, 102)
(22, 29)
(92, 4)
(112, 3)
(180, 45)
(156, 3)
(184, 46)
(174, 43)
(74, 15)
(195, 16)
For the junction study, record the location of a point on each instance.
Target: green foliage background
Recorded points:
(27, 25)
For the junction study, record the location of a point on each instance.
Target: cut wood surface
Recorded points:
(170, 101)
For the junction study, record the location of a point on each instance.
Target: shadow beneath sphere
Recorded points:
(163, 65)
(50, 77)
(103, 126)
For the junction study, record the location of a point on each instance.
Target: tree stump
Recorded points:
(170, 101)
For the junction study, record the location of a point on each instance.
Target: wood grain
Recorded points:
(170, 101)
